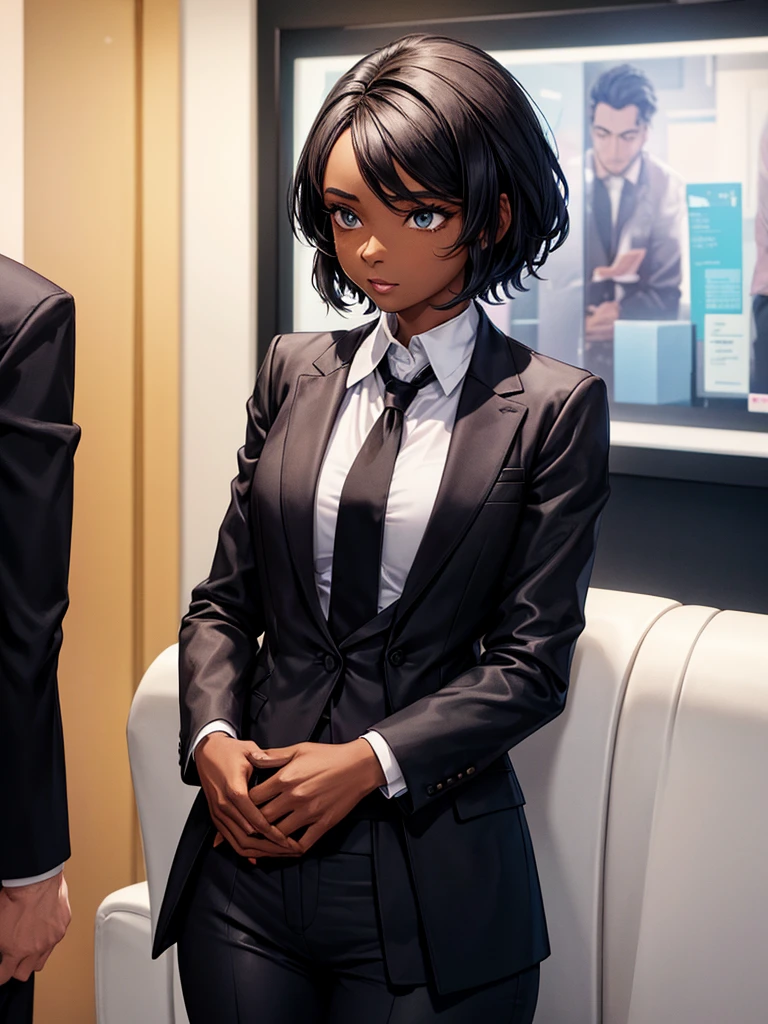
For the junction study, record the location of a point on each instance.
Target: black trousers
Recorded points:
(291, 941)
(16, 1001)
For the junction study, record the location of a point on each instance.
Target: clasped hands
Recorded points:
(314, 787)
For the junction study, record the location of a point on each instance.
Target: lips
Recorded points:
(381, 286)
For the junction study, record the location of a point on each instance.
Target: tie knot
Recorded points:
(400, 393)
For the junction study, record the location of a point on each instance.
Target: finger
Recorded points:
(267, 790)
(276, 809)
(230, 808)
(274, 757)
(295, 821)
(267, 849)
(7, 967)
(233, 840)
(41, 961)
(257, 821)
(313, 833)
(250, 848)
(247, 845)
(24, 968)
(218, 839)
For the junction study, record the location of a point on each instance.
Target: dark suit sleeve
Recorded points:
(37, 445)
(521, 680)
(219, 634)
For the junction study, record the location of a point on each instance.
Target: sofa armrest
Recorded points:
(130, 986)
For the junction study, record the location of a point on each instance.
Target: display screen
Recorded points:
(662, 284)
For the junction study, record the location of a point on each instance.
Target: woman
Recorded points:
(406, 490)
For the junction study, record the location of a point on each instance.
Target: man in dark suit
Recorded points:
(635, 211)
(37, 444)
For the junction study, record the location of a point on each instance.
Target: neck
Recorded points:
(420, 319)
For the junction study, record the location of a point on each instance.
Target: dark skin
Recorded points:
(402, 260)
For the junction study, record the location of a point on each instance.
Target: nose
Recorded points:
(372, 252)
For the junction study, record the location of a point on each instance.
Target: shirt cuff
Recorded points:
(395, 785)
(219, 725)
(16, 883)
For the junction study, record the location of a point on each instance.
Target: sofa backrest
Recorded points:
(702, 945)
(645, 727)
(564, 770)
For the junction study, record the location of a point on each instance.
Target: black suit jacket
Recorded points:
(505, 559)
(37, 444)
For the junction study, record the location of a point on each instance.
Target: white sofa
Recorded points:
(648, 805)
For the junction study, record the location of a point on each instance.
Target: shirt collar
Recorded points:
(447, 348)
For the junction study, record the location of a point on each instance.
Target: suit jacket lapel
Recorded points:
(487, 420)
(313, 413)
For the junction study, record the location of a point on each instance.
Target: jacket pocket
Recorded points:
(496, 789)
(508, 486)
(511, 474)
(506, 493)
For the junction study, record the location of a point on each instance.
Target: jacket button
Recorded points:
(396, 657)
(330, 662)
(430, 790)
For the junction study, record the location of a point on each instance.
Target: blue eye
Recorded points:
(345, 218)
(426, 220)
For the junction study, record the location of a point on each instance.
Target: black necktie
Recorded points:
(362, 505)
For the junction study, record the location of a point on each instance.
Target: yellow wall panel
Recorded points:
(101, 202)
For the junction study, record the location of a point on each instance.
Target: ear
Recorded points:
(505, 219)
(505, 216)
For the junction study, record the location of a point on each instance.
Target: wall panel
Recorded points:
(101, 219)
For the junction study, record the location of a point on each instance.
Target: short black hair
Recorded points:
(623, 86)
(463, 127)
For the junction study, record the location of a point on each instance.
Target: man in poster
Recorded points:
(635, 211)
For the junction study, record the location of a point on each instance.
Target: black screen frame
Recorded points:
(347, 27)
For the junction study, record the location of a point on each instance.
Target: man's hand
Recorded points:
(225, 769)
(33, 918)
(626, 265)
(317, 786)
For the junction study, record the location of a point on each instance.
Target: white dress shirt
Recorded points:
(427, 429)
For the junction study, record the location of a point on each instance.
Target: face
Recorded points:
(399, 258)
(617, 136)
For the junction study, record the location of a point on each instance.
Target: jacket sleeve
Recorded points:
(218, 636)
(657, 294)
(443, 739)
(37, 445)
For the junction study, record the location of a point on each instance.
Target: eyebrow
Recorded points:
(342, 194)
(602, 128)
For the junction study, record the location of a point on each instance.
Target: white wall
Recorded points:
(12, 128)
(218, 354)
